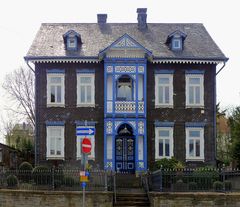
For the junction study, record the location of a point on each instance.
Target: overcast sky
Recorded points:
(21, 19)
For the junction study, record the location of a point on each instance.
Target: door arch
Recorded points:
(125, 149)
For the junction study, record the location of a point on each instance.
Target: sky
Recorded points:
(20, 21)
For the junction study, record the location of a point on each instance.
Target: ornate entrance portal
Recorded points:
(125, 150)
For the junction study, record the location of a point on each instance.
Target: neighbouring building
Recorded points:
(140, 91)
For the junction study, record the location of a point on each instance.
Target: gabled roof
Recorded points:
(125, 41)
(198, 45)
(176, 33)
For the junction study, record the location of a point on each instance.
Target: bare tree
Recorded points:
(19, 86)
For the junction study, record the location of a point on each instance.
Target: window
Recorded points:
(82, 132)
(55, 142)
(163, 142)
(55, 89)
(194, 143)
(124, 88)
(176, 44)
(164, 90)
(85, 89)
(72, 42)
(194, 90)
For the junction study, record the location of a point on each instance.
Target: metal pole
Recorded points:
(83, 196)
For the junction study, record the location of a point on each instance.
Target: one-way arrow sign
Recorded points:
(85, 131)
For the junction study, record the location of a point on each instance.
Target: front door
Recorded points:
(125, 154)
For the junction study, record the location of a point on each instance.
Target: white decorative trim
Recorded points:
(141, 127)
(109, 69)
(133, 123)
(109, 127)
(56, 60)
(125, 69)
(141, 69)
(188, 61)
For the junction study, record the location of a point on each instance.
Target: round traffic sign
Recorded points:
(86, 145)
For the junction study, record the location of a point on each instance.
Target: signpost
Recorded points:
(86, 149)
(85, 132)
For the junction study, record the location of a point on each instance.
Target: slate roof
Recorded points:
(96, 37)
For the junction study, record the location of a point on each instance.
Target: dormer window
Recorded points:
(72, 39)
(71, 42)
(175, 40)
(176, 44)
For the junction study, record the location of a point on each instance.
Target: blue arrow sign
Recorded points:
(85, 131)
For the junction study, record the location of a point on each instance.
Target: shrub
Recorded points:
(42, 175)
(218, 186)
(228, 185)
(12, 181)
(25, 171)
(205, 177)
(25, 166)
(168, 164)
(69, 181)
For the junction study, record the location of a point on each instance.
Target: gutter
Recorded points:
(214, 107)
(35, 131)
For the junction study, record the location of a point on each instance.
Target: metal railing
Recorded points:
(55, 179)
(190, 180)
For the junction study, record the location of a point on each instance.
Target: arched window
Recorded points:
(125, 88)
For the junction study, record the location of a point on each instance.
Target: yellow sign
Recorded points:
(84, 179)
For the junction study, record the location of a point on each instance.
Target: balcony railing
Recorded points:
(125, 107)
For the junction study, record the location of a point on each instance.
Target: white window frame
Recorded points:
(158, 138)
(79, 139)
(49, 84)
(201, 139)
(170, 85)
(49, 156)
(201, 85)
(69, 44)
(92, 84)
(179, 44)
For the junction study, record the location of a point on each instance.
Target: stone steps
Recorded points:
(132, 199)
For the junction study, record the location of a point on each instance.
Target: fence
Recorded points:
(201, 179)
(55, 179)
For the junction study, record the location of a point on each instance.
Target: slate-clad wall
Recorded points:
(179, 114)
(69, 113)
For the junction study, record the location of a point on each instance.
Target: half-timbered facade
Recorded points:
(140, 92)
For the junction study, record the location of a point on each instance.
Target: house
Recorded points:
(140, 91)
(10, 157)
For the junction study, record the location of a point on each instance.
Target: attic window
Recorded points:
(71, 42)
(72, 39)
(175, 40)
(176, 44)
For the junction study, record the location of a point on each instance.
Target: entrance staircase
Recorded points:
(129, 191)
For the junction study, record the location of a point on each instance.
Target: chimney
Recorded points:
(142, 18)
(102, 18)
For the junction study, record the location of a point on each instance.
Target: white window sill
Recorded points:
(159, 158)
(194, 159)
(55, 105)
(55, 158)
(163, 106)
(195, 106)
(86, 105)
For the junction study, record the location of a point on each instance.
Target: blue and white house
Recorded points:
(140, 91)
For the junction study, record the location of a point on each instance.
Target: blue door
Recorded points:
(125, 154)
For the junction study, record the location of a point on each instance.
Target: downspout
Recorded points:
(214, 108)
(35, 131)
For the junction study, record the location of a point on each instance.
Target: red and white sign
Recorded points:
(86, 145)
